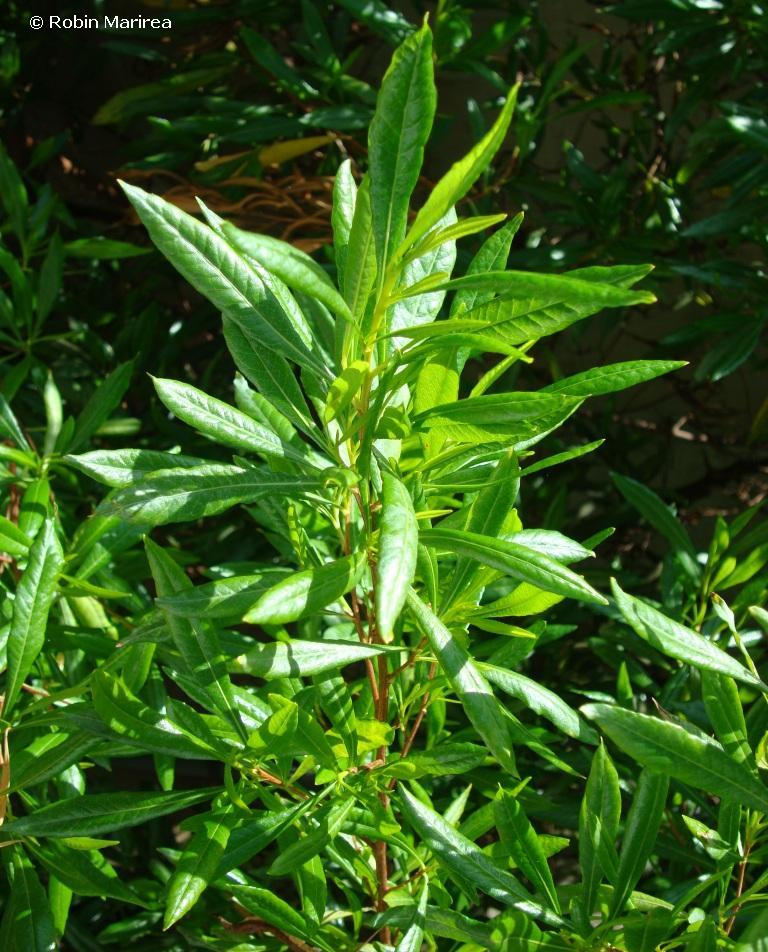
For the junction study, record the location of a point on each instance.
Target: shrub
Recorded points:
(377, 770)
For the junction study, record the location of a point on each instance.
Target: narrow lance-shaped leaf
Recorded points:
(295, 268)
(186, 496)
(598, 828)
(344, 198)
(726, 715)
(223, 423)
(613, 377)
(673, 639)
(212, 267)
(104, 400)
(399, 131)
(121, 468)
(668, 748)
(299, 659)
(198, 863)
(455, 184)
(398, 542)
(34, 596)
(467, 862)
(306, 592)
(513, 559)
(196, 641)
(97, 813)
(660, 516)
(640, 833)
(482, 707)
(32, 927)
(520, 839)
(414, 936)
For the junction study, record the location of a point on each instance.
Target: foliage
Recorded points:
(336, 645)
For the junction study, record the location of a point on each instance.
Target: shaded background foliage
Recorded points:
(640, 134)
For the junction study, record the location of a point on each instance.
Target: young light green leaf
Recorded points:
(455, 184)
(519, 839)
(306, 592)
(482, 707)
(398, 541)
(34, 597)
(513, 559)
(342, 215)
(667, 747)
(405, 108)
(445, 760)
(673, 639)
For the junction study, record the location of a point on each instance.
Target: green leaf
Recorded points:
(467, 862)
(726, 715)
(513, 559)
(446, 760)
(12, 540)
(414, 936)
(668, 748)
(405, 108)
(46, 756)
(223, 423)
(196, 642)
(121, 468)
(198, 863)
(598, 828)
(492, 256)
(104, 400)
(32, 926)
(336, 703)
(520, 839)
(184, 496)
(306, 592)
(344, 389)
(455, 184)
(305, 848)
(34, 597)
(541, 700)
(553, 288)
(131, 718)
(96, 813)
(673, 639)
(613, 377)
(360, 270)
(270, 373)
(223, 598)
(398, 541)
(640, 832)
(214, 269)
(265, 905)
(295, 268)
(660, 516)
(342, 215)
(85, 872)
(482, 707)
(303, 658)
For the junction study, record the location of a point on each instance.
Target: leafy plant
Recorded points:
(340, 728)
